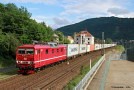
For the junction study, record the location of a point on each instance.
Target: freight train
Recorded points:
(31, 58)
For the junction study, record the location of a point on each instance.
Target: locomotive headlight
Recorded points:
(21, 61)
(17, 61)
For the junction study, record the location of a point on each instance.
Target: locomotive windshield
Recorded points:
(25, 51)
(21, 51)
(29, 51)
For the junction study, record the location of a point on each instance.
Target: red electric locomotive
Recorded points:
(30, 58)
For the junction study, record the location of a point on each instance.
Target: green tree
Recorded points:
(97, 40)
(8, 43)
(66, 41)
(108, 41)
(17, 27)
(61, 36)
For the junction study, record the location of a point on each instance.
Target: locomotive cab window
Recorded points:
(29, 51)
(21, 51)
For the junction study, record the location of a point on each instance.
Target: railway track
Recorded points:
(67, 72)
(71, 71)
(51, 78)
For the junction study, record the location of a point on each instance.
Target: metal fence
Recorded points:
(84, 81)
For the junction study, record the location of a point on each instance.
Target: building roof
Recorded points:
(84, 32)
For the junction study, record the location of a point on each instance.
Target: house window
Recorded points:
(77, 42)
(77, 38)
(88, 42)
(57, 50)
(88, 38)
(46, 51)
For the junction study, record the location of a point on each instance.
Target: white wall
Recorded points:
(85, 39)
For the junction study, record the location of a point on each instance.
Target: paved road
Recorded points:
(112, 72)
(120, 76)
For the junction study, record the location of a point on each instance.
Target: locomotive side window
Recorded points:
(29, 51)
(46, 51)
(52, 50)
(61, 49)
(21, 51)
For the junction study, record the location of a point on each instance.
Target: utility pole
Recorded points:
(63, 38)
(74, 37)
(103, 42)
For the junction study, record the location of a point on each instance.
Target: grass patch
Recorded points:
(8, 74)
(14, 71)
(5, 62)
(83, 71)
(120, 48)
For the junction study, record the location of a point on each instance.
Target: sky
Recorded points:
(58, 13)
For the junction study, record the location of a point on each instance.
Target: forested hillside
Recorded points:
(113, 27)
(16, 28)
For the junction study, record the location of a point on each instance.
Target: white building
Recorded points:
(83, 37)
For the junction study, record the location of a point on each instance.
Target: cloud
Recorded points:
(128, 15)
(84, 9)
(118, 11)
(97, 8)
(66, 12)
(60, 21)
(31, 1)
(88, 6)
(54, 22)
(39, 18)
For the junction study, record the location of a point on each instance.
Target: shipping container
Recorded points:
(91, 47)
(88, 48)
(97, 46)
(72, 49)
(82, 48)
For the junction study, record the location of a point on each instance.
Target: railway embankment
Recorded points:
(8, 72)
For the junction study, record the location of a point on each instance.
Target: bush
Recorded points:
(120, 48)
(6, 62)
